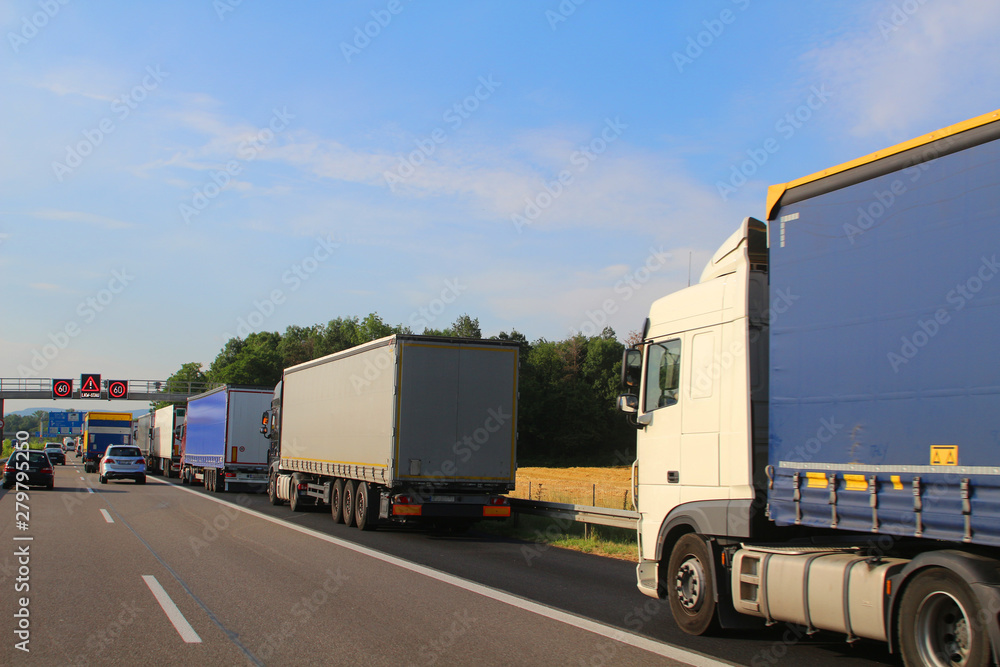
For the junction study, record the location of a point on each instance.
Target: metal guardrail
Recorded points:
(139, 390)
(601, 516)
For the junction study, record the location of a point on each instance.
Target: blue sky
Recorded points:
(177, 173)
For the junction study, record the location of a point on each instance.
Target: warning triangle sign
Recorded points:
(944, 455)
(91, 383)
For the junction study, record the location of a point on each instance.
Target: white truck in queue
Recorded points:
(165, 444)
(402, 429)
(817, 418)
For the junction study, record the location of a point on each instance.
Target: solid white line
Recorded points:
(89, 490)
(183, 628)
(602, 629)
(107, 517)
(83, 479)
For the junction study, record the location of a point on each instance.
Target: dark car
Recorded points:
(33, 467)
(55, 453)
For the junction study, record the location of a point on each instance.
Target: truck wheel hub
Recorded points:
(689, 584)
(945, 631)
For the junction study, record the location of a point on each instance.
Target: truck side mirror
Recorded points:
(628, 403)
(631, 369)
(264, 418)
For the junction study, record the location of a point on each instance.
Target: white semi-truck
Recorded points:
(165, 447)
(818, 417)
(402, 429)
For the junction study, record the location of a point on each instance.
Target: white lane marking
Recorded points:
(82, 479)
(89, 490)
(183, 628)
(617, 634)
(107, 517)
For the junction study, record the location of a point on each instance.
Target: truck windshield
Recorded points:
(663, 364)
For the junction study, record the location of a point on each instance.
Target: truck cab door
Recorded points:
(659, 443)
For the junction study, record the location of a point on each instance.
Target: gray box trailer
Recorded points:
(405, 428)
(142, 436)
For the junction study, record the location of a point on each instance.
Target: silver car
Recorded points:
(122, 462)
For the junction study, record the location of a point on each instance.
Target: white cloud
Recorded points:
(910, 67)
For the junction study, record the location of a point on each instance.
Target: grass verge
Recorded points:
(546, 532)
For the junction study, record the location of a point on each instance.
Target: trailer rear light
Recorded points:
(232, 474)
(405, 505)
(496, 510)
(301, 487)
(498, 500)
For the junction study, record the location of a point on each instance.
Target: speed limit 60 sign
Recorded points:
(62, 389)
(117, 389)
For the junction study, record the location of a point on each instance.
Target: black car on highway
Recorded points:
(33, 466)
(55, 453)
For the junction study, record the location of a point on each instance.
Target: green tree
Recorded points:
(188, 378)
(252, 361)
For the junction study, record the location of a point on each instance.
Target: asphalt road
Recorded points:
(161, 573)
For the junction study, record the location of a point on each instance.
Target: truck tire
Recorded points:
(337, 501)
(363, 517)
(689, 584)
(294, 503)
(939, 622)
(272, 490)
(349, 502)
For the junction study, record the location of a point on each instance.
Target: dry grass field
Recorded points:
(598, 487)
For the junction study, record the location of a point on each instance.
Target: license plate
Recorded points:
(443, 499)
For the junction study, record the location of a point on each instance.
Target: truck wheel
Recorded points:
(272, 490)
(938, 622)
(689, 585)
(293, 495)
(363, 507)
(337, 501)
(348, 502)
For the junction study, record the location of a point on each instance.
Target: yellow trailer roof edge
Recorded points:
(776, 192)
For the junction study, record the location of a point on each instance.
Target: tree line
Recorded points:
(567, 393)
